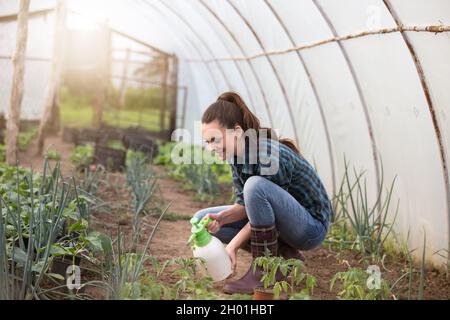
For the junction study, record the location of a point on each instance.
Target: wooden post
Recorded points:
(164, 63)
(123, 89)
(51, 105)
(174, 82)
(18, 61)
(141, 108)
(102, 77)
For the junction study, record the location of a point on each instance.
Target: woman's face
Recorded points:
(219, 140)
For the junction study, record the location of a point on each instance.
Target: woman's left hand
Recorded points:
(232, 251)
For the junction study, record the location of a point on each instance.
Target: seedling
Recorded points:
(292, 273)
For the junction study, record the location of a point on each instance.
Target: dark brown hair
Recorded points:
(231, 110)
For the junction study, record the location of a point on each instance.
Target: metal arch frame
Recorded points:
(358, 88)
(238, 67)
(202, 41)
(233, 36)
(274, 69)
(315, 91)
(212, 75)
(433, 113)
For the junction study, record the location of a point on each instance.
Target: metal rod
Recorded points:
(194, 48)
(359, 90)
(274, 69)
(202, 41)
(3, 57)
(236, 64)
(401, 28)
(241, 49)
(315, 92)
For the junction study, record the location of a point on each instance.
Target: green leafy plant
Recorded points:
(2, 153)
(191, 280)
(32, 219)
(142, 183)
(39, 212)
(116, 144)
(293, 275)
(82, 156)
(164, 154)
(126, 269)
(355, 286)
(53, 155)
(205, 178)
(26, 137)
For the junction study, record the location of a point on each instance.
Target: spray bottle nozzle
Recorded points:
(199, 229)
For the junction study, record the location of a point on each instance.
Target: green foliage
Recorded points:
(133, 155)
(142, 182)
(164, 154)
(149, 283)
(293, 276)
(36, 212)
(137, 99)
(191, 282)
(369, 226)
(77, 110)
(355, 286)
(116, 144)
(204, 177)
(82, 156)
(171, 216)
(26, 137)
(2, 153)
(53, 155)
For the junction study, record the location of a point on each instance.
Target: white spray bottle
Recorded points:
(211, 249)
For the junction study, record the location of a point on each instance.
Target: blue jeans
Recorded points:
(266, 203)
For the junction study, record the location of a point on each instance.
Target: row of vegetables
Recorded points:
(44, 225)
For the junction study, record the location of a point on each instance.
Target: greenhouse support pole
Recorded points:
(18, 62)
(51, 104)
(163, 106)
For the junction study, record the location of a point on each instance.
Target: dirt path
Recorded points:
(170, 240)
(171, 236)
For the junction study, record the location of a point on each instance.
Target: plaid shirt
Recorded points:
(294, 174)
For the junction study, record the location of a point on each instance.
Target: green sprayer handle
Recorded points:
(196, 225)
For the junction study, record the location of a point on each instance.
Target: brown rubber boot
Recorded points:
(288, 252)
(262, 238)
(284, 250)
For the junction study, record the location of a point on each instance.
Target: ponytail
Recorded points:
(231, 110)
(249, 120)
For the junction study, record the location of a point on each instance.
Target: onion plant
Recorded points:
(34, 212)
(142, 183)
(367, 221)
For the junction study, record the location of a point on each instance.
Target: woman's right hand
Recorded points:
(215, 225)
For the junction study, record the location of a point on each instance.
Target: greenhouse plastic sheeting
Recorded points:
(37, 70)
(368, 100)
